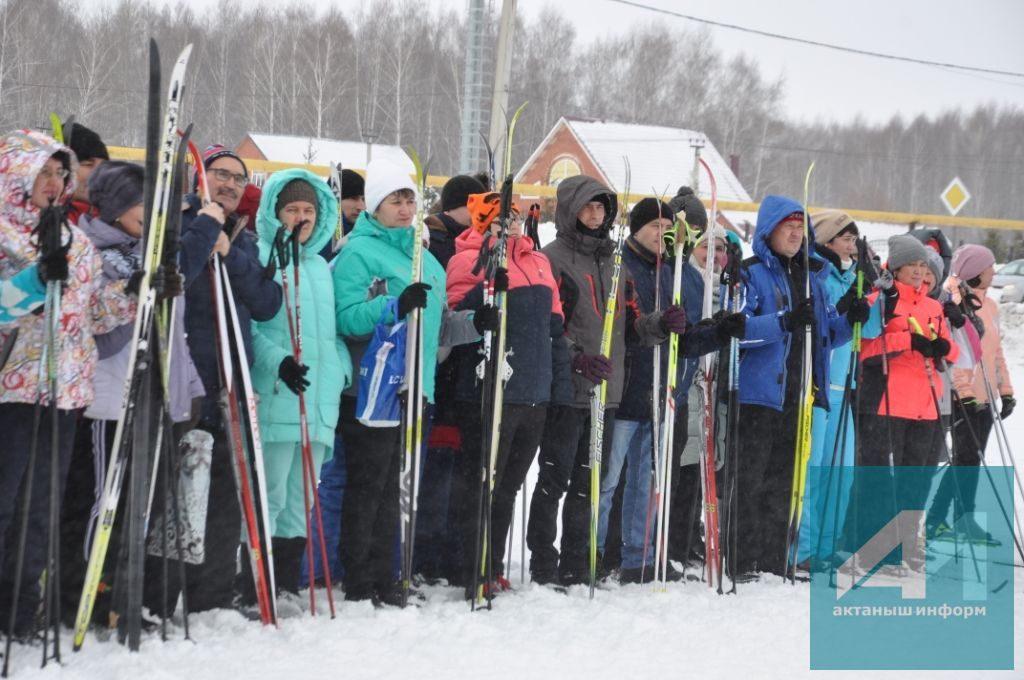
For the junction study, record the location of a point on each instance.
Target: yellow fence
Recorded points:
(532, 190)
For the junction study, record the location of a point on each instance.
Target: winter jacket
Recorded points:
(322, 350)
(534, 331)
(637, 393)
(89, 304)
(376, 264)
(444, 231)
(582, 266)
(909, 387)
(22, 293)
(257, 298)
(765, 359)
(970, 383)
(121, 254)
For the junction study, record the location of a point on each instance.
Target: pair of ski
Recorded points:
(143, 427)
(495, 373)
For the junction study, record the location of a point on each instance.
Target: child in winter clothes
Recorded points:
(899, 414)
(39, 172)
(297, 199)
(975, 387)
(374, 267)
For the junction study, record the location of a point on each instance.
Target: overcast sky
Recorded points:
(825, 84)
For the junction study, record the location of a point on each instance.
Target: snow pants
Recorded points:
(286, 501)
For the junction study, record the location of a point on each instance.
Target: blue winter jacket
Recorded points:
(257, 298)
(766, 295)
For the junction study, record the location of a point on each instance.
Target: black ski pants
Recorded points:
(764, 476)
(370, 510)
(970, 436)
(521, 428)
(16, 423)
(564, 469)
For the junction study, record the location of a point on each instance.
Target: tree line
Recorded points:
(393, 70)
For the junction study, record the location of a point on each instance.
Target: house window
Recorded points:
(563, 168)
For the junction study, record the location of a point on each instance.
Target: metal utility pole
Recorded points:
(474, 90)
(502, 79)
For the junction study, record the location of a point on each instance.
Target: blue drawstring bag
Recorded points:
(381, 372)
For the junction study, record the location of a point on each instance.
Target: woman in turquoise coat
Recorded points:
(297, 199)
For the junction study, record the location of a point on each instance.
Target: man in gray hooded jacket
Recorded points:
(582, 260)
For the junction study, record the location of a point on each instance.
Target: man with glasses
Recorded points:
(205, 230)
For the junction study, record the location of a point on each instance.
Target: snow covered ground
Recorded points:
(624, 633)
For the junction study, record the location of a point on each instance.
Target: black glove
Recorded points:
(921, 344)
(53, 266)
(972, 405)
(732, 326)
(1008, 403)
(134, 282)
(858, 311)
(500, 280)
(486, 318)
(593, 367)
(293, 374)
(673, 320)
(413, 297)
(167, 282)
(953, 313)
(940, 348)
(801, 315)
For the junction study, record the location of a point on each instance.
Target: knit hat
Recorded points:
(352, 184)
(384, 177)
(484, 209)
(686, 201)
(830, 224)
(936, 265)
(971, 260)
(456, 191)
(648, 210)
(86, 144)
(296, 190)
(215, 151)
(114, 188)
(904, 249)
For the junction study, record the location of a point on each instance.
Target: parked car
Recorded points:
(1008, 283)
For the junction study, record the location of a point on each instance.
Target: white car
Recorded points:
(1008, 283)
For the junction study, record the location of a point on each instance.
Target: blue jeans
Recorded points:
(631, 444)
(827, 489)
(331, 492)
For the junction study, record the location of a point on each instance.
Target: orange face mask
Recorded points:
(484, 209)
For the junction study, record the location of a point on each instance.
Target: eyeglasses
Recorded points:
(46, 174)
(226, 176)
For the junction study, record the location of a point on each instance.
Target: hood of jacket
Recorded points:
(773, 210)
(267, 223)
(23, 153)
(104, 235)
(573, 194)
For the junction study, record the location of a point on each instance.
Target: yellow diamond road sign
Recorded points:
(955, 196)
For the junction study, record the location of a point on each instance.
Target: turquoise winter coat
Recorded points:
(377, 263)
(330, 368)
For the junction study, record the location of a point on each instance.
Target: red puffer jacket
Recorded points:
(909, 387)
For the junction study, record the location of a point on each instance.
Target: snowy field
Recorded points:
(533, 632)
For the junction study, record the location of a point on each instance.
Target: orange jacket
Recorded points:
(910, 392)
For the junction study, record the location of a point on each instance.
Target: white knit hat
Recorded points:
(384, 177)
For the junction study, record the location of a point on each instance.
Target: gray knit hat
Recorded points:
(904, 249)
(114, 188)
(936, 264)
(686, 201)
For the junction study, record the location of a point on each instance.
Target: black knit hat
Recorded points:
(352, 184)
(86, 144)
(295, 190)
(456, 191)
(685, 200)
(114, 188)
(648, 210)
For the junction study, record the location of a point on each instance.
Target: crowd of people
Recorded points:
(889, 402)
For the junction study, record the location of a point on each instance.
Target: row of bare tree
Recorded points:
(392, 72)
